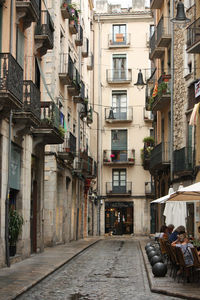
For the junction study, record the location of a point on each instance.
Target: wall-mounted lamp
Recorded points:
(140, 82)
(180, 14)
(111, 114)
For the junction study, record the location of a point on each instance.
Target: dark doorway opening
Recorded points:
(119, 218)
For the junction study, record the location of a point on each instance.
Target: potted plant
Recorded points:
(148, 141)
(14, 229)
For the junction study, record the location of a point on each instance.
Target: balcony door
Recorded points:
(119, 104)
(119, 67)
(119, 145)
(119, 181)
(119, 34)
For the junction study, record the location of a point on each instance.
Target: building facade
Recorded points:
(121, 50)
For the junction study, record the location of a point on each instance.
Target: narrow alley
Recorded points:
(111, 269)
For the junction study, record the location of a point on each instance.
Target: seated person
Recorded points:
(170, 229)
(183, 243)
(173, 237)
(164, 232)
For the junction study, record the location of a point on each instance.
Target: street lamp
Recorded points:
(140, 82)
(179, 19)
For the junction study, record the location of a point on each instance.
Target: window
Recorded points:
(119, 145)
(74, 128)
(119, 180)
(119, 34)
(119, 66)
(119, 104)
(20, 47)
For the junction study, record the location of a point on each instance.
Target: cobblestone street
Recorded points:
(111, 269)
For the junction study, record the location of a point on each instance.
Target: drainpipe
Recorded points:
(9, 155)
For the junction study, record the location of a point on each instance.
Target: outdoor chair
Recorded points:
(187, 271)
(196, 261)
(173, 259)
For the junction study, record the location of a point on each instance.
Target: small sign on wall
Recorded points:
(197, 89)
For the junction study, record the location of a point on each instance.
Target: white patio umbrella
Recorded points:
(164, 198)
(188, 193)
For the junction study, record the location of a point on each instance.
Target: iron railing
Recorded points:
(149, 188)
(69, 144)
(119, 114)
(45, 26)
(119, 156)
(11, 76)
(79, 36)
(163, 28)
(119, 39)
(31, 98)
(50, 114)
(119, 187)
(160, 155)
(119, 75)
(184, 159)
(34, 3)
(152, 42)
(193, 33)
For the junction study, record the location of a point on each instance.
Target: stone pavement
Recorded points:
(25, 274)
(167, 285)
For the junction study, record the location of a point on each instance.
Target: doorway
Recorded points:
(119, 218)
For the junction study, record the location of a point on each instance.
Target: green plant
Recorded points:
(61, 131)
(15, 226)
(162, 88)
(149, 140)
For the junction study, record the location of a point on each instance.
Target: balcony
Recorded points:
(81, 97)
(90, 62)
(90, 116)
(184, 161)
(118, 157)
(67, 150)
(193, 37)
(2, 2)
(30, 113)
(79, 36)
(160, 156)
(149, 189)
(77, 167)
(162, 100)
(149, 91)
(84, 110)
(163, 32)
(74, 76)
(66, 9)
(119, 40)
(85, 47)
(44, 33)
(148, 116)
(119, 76)
(73, 22)
(11, 83)
(116, 188)
(192, 100)
(155, 51)
(27, 12)
(156, 4)
(51, 130)
(119, 114)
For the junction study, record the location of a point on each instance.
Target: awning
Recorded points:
(164, 198)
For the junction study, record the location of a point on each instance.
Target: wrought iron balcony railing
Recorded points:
(160, 155)
(90, 115)
(2, 2)
(68, 148)
(116, 187)
(149, 188)
(11, 79)
(31, 98)
(116, 114)
(152, 42)
(45, 28)
(51, 115)
(81, 97)
(184, 160)
(162, 98)
(119, 75)
(163, 32)
(119, 40)
(119, 156)
(193, 37)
